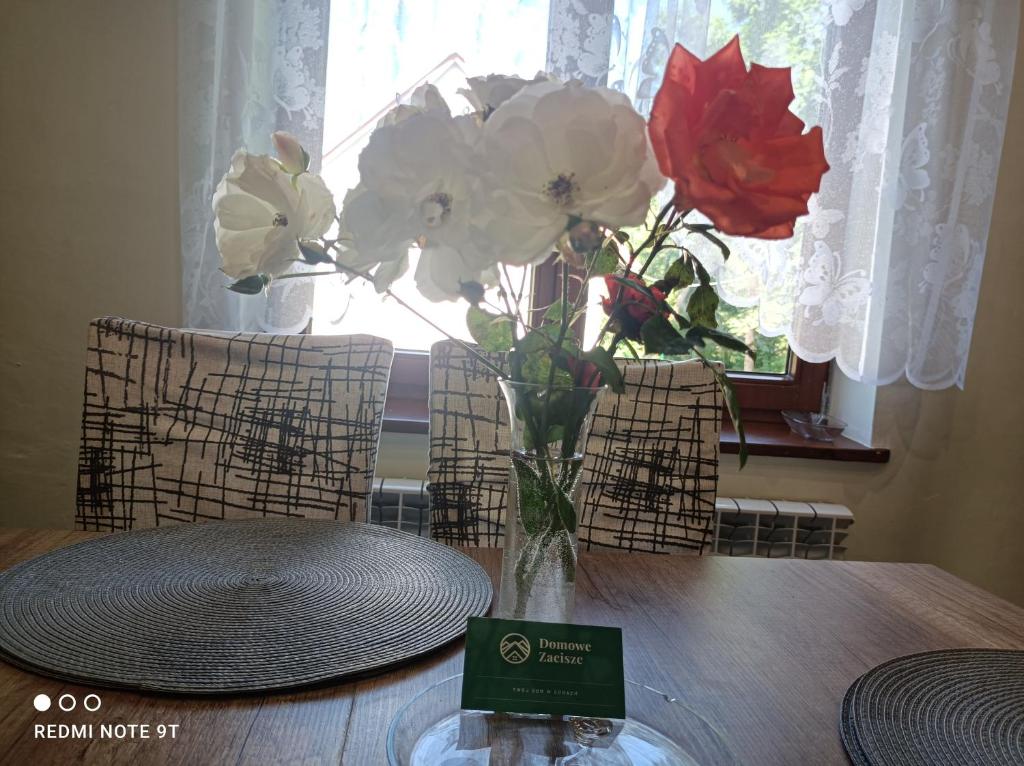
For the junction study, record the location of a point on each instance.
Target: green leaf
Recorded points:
(537, 369)
(701, 334)
(715, 241)
(702, 305)
(530, 496)
(541, 339)
(606, 259)
(702, 273)
(314, 252)
(732, 404)
(660, 337)
(554, 314)
(679, 274)
(605, 362)
(565, 510)
(253, 285)
(492, 332)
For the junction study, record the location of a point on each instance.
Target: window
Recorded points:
(402, 46)
(399, 47)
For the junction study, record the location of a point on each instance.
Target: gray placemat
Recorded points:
(236, 605)
(961, 706)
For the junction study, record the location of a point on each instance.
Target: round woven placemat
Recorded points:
(234, 606)
(962, 706)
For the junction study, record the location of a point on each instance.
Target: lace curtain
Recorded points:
(883, 276)
(246, 68)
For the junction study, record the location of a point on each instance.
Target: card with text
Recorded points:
(515, 666)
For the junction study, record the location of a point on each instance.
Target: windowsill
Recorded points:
(776, 440)
(409, 416)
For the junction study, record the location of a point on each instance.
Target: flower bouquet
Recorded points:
(535, 169)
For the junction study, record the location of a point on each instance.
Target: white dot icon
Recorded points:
(41, 703)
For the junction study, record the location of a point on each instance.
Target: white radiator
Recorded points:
(780, 528)
(401, 504)
(743, 526)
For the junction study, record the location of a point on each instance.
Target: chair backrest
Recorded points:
(185, 425)
(649, 479)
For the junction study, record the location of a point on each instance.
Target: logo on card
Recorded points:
(514, 648)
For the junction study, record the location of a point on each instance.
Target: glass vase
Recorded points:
(550, 425)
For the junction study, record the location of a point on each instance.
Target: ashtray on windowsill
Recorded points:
(813, 425)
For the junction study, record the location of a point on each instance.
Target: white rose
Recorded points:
(485, 94)
(557, 152)
(260, 213)
(443, 270)
(417, 186)
(426, 98)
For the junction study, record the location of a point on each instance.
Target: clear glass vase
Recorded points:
(550, 425)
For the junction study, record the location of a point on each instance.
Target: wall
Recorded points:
(88, 218)
(88, 225)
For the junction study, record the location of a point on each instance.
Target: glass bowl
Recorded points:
(431, 730)
(813, 425)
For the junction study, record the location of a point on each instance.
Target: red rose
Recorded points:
(629, 306)
(728, 140)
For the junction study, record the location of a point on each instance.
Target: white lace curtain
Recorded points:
(912, 95)
(883, 275)
(246, 68)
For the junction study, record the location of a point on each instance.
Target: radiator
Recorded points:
(400, 504)
(743, 526)
(780, 528)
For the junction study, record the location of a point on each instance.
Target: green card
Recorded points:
(515, 666)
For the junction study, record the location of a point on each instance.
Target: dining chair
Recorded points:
(650, 475)
(189, 425)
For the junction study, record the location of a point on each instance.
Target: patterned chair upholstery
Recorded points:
(649, 479)
(183, 425)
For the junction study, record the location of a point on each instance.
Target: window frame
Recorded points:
(762, 396)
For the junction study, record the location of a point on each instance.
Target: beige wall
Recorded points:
(88, 225)
(88, 218)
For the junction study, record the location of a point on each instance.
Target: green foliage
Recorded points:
(602, 359)
(732, 404)
(698, 335)
(772, 354)
(250, 285)
(706, 230)
(492, 332)
(660, 337)
(314, 252)
(679, 275)
(531, 496)
(554, 313)
(702, 305)
(606, 259)
(794, 39)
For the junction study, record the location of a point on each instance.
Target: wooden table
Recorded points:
(764, 649)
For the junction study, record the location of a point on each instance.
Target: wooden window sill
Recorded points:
(776, 440)
(409, 416)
